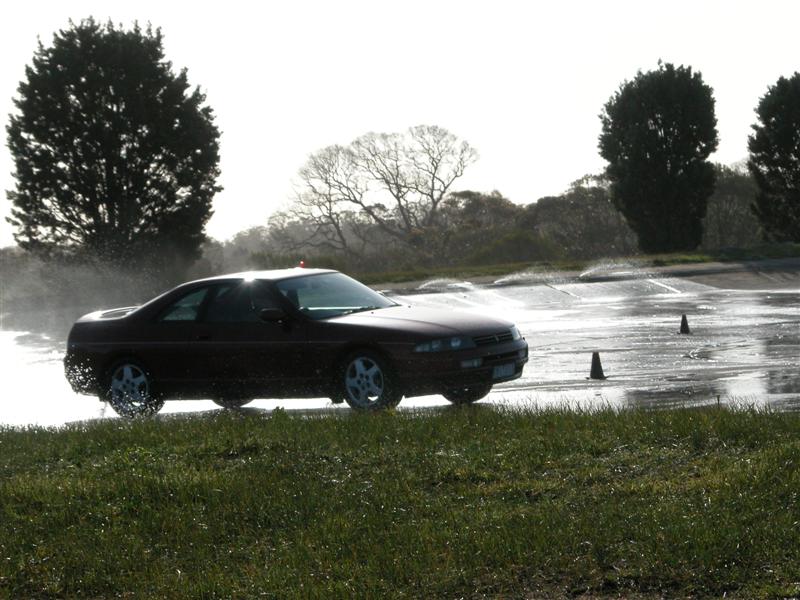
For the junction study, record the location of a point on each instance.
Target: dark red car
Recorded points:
(286, 334)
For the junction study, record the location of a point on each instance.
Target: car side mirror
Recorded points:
(271, 315)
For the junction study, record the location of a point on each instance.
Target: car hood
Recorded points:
(426, 321)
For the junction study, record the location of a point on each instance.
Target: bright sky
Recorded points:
(523, 82)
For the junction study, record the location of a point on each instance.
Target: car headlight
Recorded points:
(515, 334)
(458, 342)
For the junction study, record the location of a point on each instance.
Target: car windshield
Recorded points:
(330, 295)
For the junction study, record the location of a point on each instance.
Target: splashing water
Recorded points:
(614, 269)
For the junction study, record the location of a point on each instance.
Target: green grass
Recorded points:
(762, 252)
(765, 251)
(467, 502)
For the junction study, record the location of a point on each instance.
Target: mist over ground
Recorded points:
(44, 298)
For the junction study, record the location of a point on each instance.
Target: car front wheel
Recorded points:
(130, 391)
(467, 394)
(368, 382)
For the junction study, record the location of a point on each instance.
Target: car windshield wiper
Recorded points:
(350, 311)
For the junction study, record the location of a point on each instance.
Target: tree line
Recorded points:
(487, 228)
(116, 156)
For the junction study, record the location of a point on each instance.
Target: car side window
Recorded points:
(240, 304)
(186, 308)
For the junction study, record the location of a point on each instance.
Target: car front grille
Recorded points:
(496, 338)
(501, 358)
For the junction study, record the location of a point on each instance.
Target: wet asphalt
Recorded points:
(743, 349)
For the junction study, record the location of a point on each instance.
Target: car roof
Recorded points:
(273, 275)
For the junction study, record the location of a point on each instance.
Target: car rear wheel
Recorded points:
(467, 394)
(232, 402)
(130, 390)
(368, 382)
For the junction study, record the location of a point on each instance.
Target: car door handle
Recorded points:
(202, 337)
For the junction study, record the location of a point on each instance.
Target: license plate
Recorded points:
(501, 371)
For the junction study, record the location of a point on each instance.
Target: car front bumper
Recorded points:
(435, 373)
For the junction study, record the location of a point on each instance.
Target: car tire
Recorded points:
(232, 402)
(129, 390)
(368, 382)
(336, 397)
(468, 394)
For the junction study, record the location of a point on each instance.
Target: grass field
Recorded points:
(472, 502)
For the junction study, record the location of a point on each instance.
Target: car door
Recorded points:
(242, 353)
(163, 341)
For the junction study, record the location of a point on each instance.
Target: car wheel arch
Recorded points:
(118, 357)
(347, 351)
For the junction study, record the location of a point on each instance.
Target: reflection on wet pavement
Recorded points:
(744, 349)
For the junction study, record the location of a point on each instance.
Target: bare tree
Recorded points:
(438, 159)
(331, 185)
(413, 172)
(391, 182)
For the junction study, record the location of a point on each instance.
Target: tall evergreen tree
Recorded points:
(775, 160)
(114, 155)
(658, 132)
